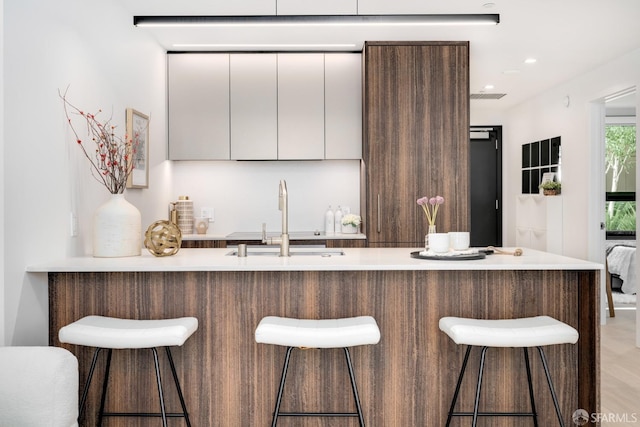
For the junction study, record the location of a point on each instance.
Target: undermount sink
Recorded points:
(293, 251)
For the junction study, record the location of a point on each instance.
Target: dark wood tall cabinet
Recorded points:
(416, 139)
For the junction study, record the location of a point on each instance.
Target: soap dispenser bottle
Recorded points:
(338, 220)
(329, 221)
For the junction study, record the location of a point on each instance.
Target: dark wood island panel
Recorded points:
(405, 380)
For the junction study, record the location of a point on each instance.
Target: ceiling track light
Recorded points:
(317, 20)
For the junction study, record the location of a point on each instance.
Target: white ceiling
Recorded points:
(567, 37)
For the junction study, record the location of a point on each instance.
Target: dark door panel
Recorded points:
(486, 186)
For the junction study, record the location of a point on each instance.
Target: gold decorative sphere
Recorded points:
(163, 238)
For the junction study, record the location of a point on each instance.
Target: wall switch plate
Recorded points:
(207, 213)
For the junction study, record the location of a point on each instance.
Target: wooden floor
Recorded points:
(620, 374)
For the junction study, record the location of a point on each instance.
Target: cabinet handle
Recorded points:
(379, 219)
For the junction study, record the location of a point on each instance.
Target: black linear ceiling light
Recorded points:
(317, 20)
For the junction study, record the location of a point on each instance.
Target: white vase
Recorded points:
(349, 229)
(117, 229)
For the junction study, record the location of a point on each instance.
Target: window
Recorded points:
(620, 139)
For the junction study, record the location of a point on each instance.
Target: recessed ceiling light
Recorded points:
(489, 87)
(530, 61)
(488, 5)
(512, 71)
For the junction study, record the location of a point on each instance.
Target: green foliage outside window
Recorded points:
(623, 217)
(620, 156)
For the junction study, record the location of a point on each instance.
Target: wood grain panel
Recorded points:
(204, 244)
(416, 138)
(405, 380)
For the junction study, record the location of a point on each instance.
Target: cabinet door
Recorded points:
(198, 88)
(386, 7)
(343, 106)
(315, 7)
(254, 106)
(416, 140)
(300, 106)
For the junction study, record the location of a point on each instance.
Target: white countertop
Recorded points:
(354, 259)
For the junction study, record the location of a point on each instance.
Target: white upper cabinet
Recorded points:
(254, 106)
(386, 7)
(244, 7)
(202, 7)
(343, 106)
(265, 106)
(315, 7)
(198, 87)
(300, 106)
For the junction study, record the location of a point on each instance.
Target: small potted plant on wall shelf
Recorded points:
(551, 188)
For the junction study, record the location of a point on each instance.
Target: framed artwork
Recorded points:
(138, 131)
(541, 161)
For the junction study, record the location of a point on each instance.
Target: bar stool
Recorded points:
(112, 333)
(324, 333)
(524, 332)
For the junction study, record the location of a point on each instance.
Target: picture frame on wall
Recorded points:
(138, 131)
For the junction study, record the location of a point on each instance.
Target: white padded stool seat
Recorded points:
(323, 333)
(110, 332)
(523, 332)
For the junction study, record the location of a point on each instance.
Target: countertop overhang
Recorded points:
(355, 259)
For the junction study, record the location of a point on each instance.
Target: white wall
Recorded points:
(546, 116)
(93, 48)
(245, 194)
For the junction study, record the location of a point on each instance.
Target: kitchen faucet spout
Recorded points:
(283, 206)
(283, 203)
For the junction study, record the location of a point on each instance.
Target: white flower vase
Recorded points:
(349, 229)
(117, 229)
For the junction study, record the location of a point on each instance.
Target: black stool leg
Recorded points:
(162, 408)
(533, 402)
(478, 387)
(105, 383)
(455, 394)
(353, 386)
(553, 393)
(180, 395)
(276, 411)
(85, 392)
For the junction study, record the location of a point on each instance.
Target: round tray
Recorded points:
(461, 257)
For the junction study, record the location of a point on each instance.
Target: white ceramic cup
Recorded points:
(459, 240)
(439, 242)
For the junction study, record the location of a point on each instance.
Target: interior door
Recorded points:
(486, 186)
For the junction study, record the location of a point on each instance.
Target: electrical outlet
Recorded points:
(73, 224)
(207, 213)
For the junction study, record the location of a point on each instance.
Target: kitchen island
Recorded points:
(405, 380)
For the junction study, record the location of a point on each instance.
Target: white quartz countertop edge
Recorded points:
(355, 259)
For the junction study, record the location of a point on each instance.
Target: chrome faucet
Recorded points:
(283, 205)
